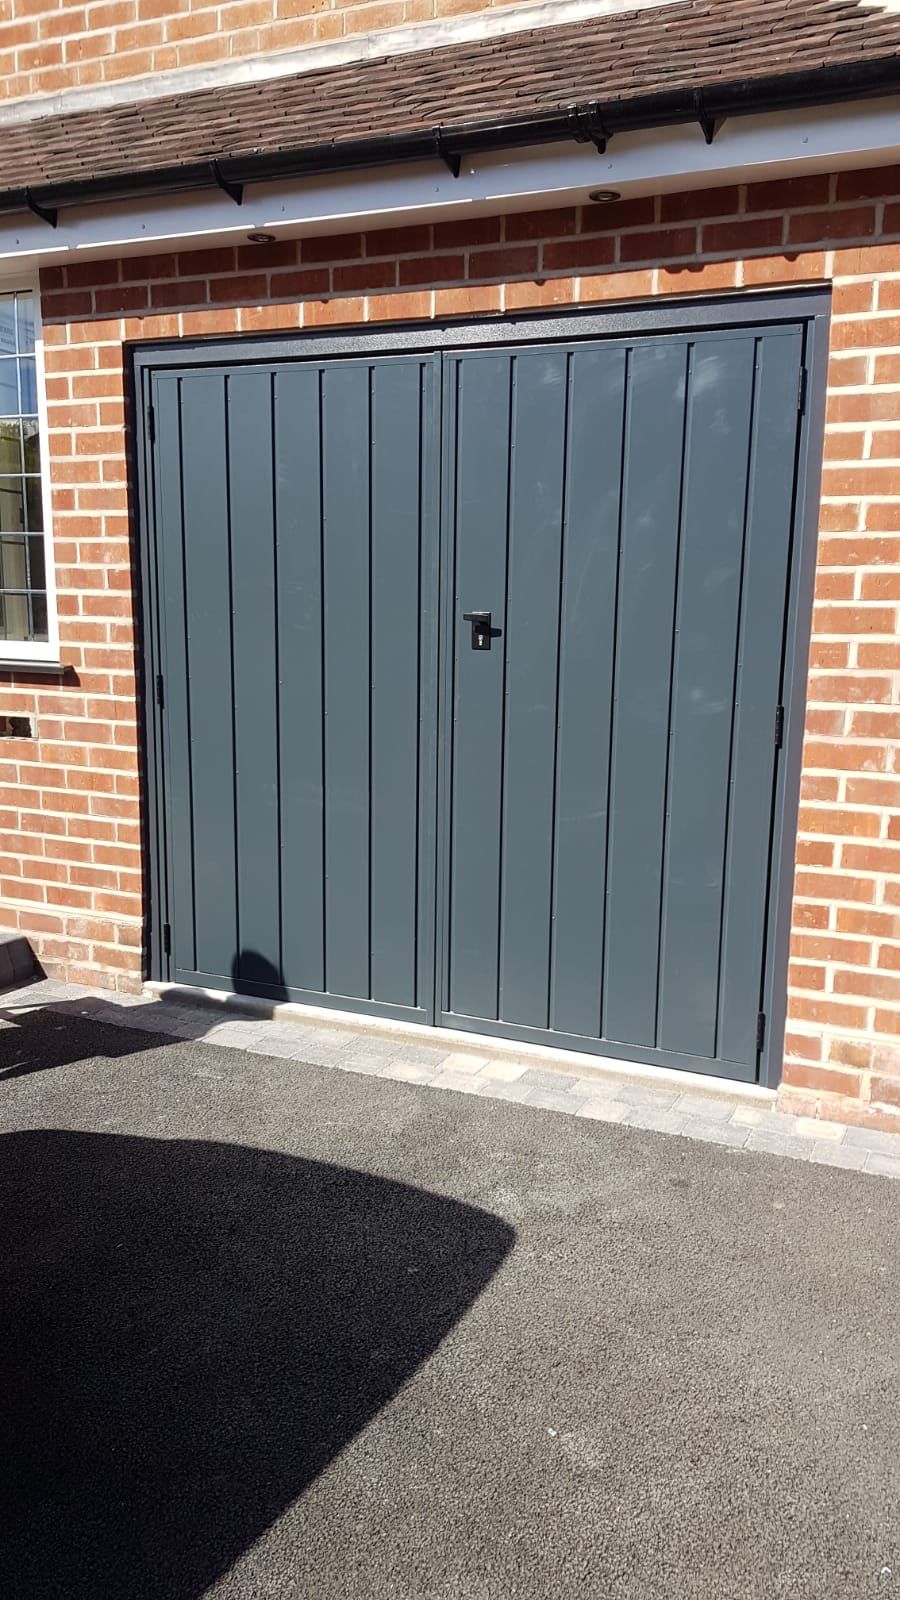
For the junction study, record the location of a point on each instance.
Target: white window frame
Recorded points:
(23, 652)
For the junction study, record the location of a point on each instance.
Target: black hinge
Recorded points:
(779, 727)
(160, 692)
(151, 424)
(760, 1031)
(801, 391)
(167, 938)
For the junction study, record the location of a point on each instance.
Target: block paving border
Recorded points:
(613, 1096)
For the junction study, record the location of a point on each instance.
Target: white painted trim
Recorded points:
(651, 162)
(16, 652)
(579, 1063)
(429, 35)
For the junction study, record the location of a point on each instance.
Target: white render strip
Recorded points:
(431, 35)
(650, 162)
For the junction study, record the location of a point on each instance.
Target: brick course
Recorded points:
(70, 875)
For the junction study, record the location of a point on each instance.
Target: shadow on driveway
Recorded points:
(190, 1332)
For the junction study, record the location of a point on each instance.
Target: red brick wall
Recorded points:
(50, 45)
(70, 875)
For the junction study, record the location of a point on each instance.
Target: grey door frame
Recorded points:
(811, 307)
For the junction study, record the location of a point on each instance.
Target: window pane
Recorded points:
(28, 386)
(25, 318)
(9, 388)
(32, 446)
(14, 616)
(37, 577)
(10, 447)
(13, 572)
(12, 505)
(34, 504)
(7, 326)
(39, 617)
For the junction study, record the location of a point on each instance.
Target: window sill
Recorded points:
(52, 669)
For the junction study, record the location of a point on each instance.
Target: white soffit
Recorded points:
(745, 148)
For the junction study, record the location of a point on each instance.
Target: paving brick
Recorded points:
(603, 1110)
(653, 1120)
(492, 1089)
(815, 1128)
(424, 1055)
(775, 1144)
(724, 1133)
(501, 1069)
(462, 1082)
(705, 1106)
(462, 1061)
(825, 1154)
(883, 1166)
(405, 1072)
(887, 1144)
(547, 1100)
(553, 1082)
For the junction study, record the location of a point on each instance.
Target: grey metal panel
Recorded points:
(531, 647)
(345, 610)
(298, 520)
(255, 678)
(481, 397)
(166, 399)
(650, 534)
(395, 611)
(719, 410)
(208, 686)
(593, 498)
(760, 652)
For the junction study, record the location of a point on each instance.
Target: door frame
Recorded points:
(811, 307)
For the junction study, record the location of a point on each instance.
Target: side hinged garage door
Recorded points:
(471, 664)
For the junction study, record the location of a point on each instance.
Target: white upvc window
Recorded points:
(28, 622)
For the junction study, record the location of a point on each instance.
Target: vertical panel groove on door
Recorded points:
(762, 630)
(210, 754)
(565, 540)
(396, 498)
(752, 467)
(298, 521)
(255, 675)
(532, 644)
(674, 663)
(652, 495)
(171, 555)
(345, 447)
(510, 457)
(586, 639)
(719, 408)
(480, 516)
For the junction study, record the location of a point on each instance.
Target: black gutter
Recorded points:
(590, 120)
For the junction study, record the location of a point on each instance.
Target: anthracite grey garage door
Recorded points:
(471, 665)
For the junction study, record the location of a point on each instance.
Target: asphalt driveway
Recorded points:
(270, 1331)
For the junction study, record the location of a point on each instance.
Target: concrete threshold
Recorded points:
(571, 1063)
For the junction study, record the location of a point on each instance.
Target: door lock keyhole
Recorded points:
(482, 632)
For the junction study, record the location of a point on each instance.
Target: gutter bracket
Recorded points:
(452, 161)
(708, 123)
(588, 127)
(234, 191)
(46, 213)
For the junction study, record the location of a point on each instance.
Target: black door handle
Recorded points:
(482, 631)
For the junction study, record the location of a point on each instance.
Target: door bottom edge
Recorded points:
(575, 1063)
